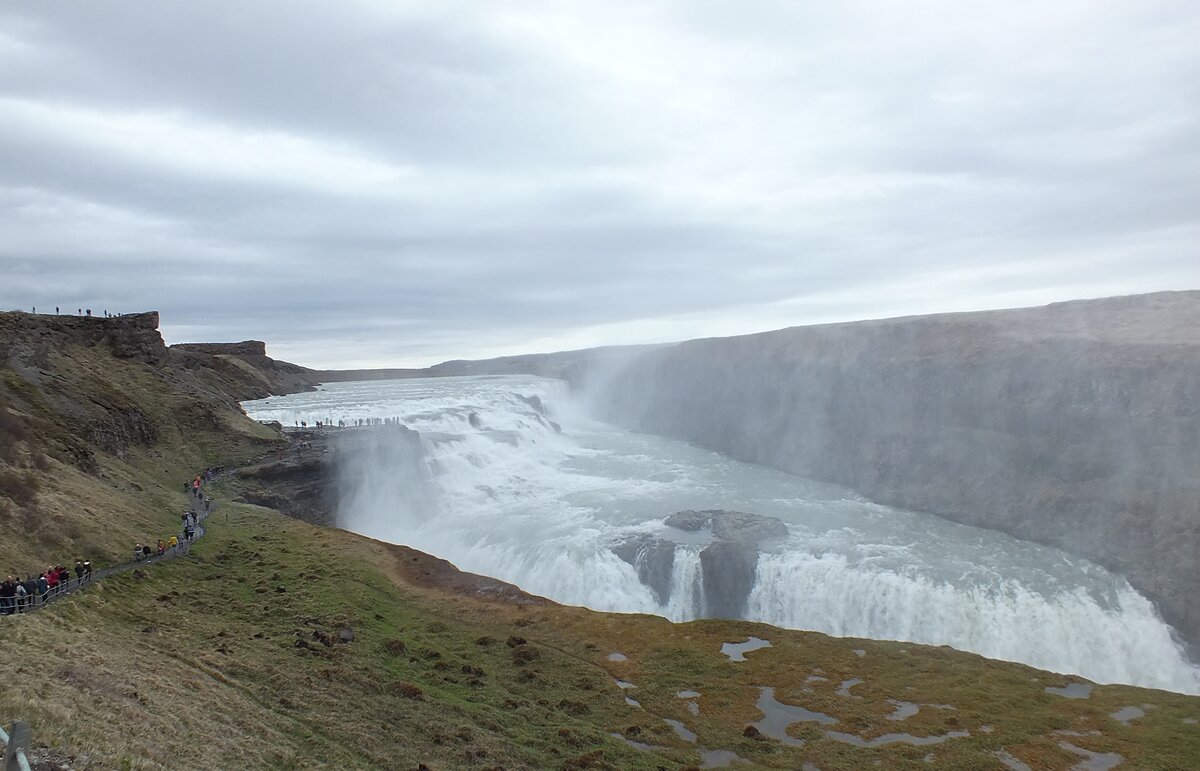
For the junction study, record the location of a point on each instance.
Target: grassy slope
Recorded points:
(100, 516)
(203, 662)
(196, 665)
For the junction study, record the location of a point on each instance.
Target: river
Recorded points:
(535, 492)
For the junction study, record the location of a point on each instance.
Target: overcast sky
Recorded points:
(371, 183)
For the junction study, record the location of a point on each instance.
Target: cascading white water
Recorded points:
(513, 498)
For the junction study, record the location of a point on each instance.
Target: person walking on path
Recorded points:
(8, 594)
(31, 591)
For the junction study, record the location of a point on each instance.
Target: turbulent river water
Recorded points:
(510, 495)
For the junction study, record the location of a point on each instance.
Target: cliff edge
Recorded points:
(1074, 425)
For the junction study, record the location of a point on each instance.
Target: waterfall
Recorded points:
(503, 491)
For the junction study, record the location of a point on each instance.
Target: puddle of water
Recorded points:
(986, 729)
(815, 679)
(879, 741)
(1067, 732)
(859, 652)
(624, 685)
(737, 651)
(844, 688)
(904, 710)
(633, 702)
(1072, 691)
(1010, 762)
(692, 706)
(1093, 761)
(719, 758)
(617, 657)
(640, 746)
(1125, 714)
(777, 717)
(681, 730)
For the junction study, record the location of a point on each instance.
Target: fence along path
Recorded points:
(203, 507)
(16, 744)
(17, 741)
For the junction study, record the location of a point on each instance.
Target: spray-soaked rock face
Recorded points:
(727, 564)
(654, 560)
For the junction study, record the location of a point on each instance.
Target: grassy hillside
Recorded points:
(230, 658)
(278, 644)
(93, 445)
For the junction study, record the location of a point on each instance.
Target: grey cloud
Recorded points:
(401, 183)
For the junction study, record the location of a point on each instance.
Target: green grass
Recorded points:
(195, 664)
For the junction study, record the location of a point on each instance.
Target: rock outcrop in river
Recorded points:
(727, 564)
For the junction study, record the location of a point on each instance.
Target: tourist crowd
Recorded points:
(17, 596)
(81, 312)
(20, 596)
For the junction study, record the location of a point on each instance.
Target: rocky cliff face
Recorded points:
(244, 348)
(1075, 425)
(29, 338)
(249, 372)
(84, 385)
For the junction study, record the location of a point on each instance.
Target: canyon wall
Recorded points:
(1075, 425)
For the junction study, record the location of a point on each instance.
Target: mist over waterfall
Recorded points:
(509, 477)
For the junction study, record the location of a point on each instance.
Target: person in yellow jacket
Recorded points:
(173, 543)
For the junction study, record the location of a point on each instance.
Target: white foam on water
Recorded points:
(511, 497)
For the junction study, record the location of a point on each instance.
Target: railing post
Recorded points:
(18, 747)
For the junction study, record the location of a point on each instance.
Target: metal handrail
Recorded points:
(31, 603)
(17, 742)
(16, 745)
